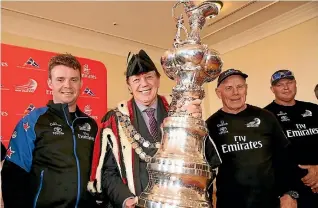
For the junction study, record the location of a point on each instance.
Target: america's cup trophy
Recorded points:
(179, 174)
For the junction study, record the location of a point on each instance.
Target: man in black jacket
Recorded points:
(252, 146)
(48, 160)
(299, 120)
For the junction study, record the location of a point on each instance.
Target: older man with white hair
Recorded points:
(252, 147)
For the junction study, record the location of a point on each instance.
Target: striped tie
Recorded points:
(152, 123)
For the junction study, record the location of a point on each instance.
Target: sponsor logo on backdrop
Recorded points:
(4, 64)
(87, 72)
(4, 113)
(30, 108)
(88, 92)
(88, 111)
(49, 92)
(31, 63)
(4, 88)
(26, 112)
(29, 87)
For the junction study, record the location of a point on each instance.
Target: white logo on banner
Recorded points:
(29, 87)
(87, 72)
(88, 111)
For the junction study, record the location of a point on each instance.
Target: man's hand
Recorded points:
(314, 190)
(193, 108)
(130, 203)
(311, 179)
(287, 201)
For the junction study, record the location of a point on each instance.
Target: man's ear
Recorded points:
(218, 92)
(129, 88)
(49, 83)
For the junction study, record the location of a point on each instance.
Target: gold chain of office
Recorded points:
(135, 139)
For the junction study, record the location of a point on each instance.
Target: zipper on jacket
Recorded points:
(76, 159)
(39, 190)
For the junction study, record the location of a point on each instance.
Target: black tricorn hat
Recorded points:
(139, 63)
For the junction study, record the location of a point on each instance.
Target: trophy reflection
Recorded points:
(178, 173)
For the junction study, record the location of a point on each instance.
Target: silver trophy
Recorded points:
(178, 173)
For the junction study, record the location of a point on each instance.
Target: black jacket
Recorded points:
(49, 158)
(253, 148)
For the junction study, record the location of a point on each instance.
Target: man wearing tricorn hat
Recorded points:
(131, 132)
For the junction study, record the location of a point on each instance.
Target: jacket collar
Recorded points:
(62, 110)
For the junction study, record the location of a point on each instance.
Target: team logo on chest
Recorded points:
(255, 123)
(55, 124)
(283, 116)
(307, 113)
(58, 131)
(222, 127)
(85, 127)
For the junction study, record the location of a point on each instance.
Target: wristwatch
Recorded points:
(293, 194)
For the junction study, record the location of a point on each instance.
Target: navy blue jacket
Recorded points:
(49, 159)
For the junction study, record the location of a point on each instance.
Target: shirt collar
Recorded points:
(143, 107)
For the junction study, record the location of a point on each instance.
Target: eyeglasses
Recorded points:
(282, 74)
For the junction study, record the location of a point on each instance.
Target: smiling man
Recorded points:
(131, 133)
(300, 122)
(49, 156)
(251, 144)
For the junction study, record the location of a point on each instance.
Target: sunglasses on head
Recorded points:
(282, 74)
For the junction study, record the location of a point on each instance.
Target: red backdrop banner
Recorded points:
(24, 74)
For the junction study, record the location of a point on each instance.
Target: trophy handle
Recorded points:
(173, 8)
(177, 40)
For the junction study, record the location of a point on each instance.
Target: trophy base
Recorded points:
(145, 201)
